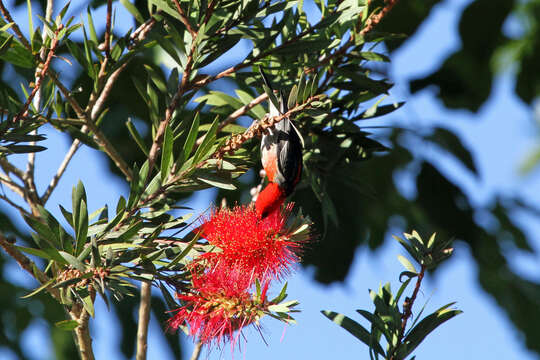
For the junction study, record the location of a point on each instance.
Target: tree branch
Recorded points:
(100, 138)
(108, 30)
(10, 168)
(16, 206)
(407, 309)
(39, 80)
(374, 19)
(27, 264)
(236, 114)
(235, 141)
(82, 332)
(144, 318)
(196, 351)
(15, 27)
(12, 186)
(182, 88)
(184, 19)
(62, 167)
(37, 99)
(136, 37)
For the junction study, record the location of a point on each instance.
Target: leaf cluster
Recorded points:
(388, 322)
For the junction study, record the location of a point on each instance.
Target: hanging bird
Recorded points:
(281, 157)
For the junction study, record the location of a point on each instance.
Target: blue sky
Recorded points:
(481, 330)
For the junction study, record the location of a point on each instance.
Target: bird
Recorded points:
(281, 158)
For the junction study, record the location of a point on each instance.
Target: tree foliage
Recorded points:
(166, 131)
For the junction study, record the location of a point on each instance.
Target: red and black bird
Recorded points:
(281, 157)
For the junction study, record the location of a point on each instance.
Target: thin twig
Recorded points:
(69, 155)
(104, 94)
(82, 332)
(10, 168)
(209, 11)
(136, 37)
(407, 307)
(258, 127)
(196, 351)
(16, 206)
(26, 264)
(39, 80)
(184, 19)
(144, 318)
(100, 138)
(42, 53)
(108, 30)
(16, 188)
(140, 33)
(236, 114)
(373, 20)
(182, 88)
(15, 27)
(30, 168)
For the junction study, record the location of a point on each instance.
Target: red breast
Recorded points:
(269, 200)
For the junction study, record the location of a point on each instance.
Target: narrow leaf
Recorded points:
(357, 330)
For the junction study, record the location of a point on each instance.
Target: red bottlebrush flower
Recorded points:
(217, 305)
(259, 248)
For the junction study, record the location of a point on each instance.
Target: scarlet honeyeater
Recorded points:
(281, 157)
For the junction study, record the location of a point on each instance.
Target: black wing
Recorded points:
(289, 150)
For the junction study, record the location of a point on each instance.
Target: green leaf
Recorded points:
(450, 142)
(36, 252)
(377, 323)
(136, 136)
(216, 180)
(81, 229)
(15, 52)
(165, 7)
(73, 261)
(207, 143)
(427, 325)
(218, 98)
(407, 264)
(30, 20)
(169, 300)
(408, 247)
(131, 231)
(372, 56)
(183, 254)
(401, 290)
(408, 274)
(291, 102)
(354, 328)
(167, 154)
(80, 216)
(93, 34)
(43, 231)
(39, 289)
(301, 89)
(192, 136)
(86, 300)
(4, 47)
(133, 10)
(282, 294)
(23, 149)
(67, 325)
